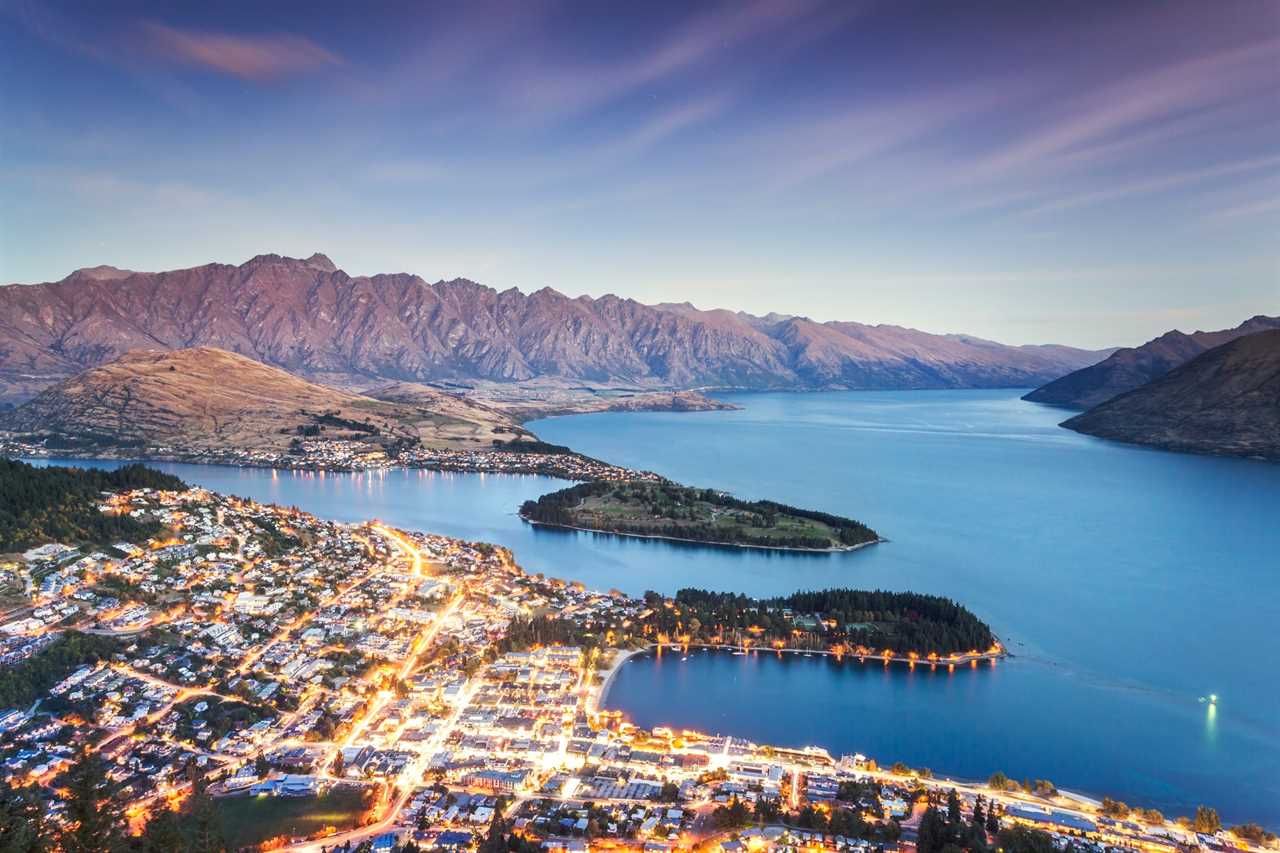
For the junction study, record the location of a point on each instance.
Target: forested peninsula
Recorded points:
(667, 510)
(844, 622)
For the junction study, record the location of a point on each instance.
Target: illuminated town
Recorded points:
(269, 658)
(348, 455)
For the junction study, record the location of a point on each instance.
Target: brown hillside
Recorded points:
(206, 398)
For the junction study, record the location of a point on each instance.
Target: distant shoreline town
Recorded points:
(517, 458)
(341, 456)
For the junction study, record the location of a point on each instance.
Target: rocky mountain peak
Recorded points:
(102, 272)
(321, 262)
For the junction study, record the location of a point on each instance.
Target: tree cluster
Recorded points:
(23, 683)
(94, 818)
(57, 504)
(901, 621)
(945, 829)
(526, 632)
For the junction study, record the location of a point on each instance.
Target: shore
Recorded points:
(596, 700)
(835, 549)
(657, 648)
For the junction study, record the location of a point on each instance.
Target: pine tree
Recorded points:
(22, 826)
(932, 835)
(95, 817)
(493, 841)
(206, 827)
(1206, 820)
(954, 817)
(163, 833)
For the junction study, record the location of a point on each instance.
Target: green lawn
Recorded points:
(251, 820)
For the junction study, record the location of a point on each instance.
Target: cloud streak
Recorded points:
(1164, 97)
(1156, 184)
(706, 38)
(255, 58)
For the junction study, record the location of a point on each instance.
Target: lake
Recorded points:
(1129, 583)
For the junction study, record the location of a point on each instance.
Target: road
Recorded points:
(411, 776)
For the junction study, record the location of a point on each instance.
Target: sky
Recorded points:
(1082, 173)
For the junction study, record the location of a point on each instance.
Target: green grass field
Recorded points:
(251, 820)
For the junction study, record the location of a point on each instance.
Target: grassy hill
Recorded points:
(210, 399)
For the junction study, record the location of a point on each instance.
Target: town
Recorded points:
(324, 454)
(324, 686)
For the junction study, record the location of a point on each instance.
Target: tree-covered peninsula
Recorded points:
(845, 622)
(858, 621)
(669, 510)
(55, 504)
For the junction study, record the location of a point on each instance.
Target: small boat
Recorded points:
(685, 658)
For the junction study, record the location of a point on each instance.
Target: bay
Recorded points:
(1129, 583)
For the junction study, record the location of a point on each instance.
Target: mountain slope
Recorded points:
(1226, 401)
(312, 319)
(203, 398)
(1131, 367)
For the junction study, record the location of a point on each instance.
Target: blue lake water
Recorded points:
(1128, 583)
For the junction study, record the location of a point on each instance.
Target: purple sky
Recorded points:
(1085, 173)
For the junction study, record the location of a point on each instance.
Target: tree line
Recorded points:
(875, 619)
(524, 633)
(58, 504)
(23, 683)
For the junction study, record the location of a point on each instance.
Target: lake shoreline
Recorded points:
(657, 648)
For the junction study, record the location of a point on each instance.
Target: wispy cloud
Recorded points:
(665, 124)
(811, 149)
(1158, 183)
(1155, 105)
(248, 57)
(126, 193)
(584, 159)
(1257, 198)
(1256, 208)
(545, 89)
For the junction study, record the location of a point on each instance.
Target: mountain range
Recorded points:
(1128, 368)
(310, 318)
(1225, 400)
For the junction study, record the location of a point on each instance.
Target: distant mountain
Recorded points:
(1224, 401)
(1128, 368)
(312, 319)
(203, 398)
